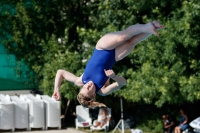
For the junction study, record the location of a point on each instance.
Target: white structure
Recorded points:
(21, 112)
(36, 111)
(136, 131)
(83, 118)
(195, 123)
(52, 111)
(6, 113)
(104, 127)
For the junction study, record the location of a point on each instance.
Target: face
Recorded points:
(164, 117)
(102, 112)
(181, 112)
(88, 89)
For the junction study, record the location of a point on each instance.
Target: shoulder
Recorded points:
(78, 81)
(185, 116)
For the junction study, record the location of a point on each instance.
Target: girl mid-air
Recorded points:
(111, 48)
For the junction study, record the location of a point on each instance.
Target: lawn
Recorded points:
(87, 130)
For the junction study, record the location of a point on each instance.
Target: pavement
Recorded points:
(68, 130)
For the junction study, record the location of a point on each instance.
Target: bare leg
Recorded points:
(175, 130)
(123, 50)
(102, 124)
(97, 124)
(114, 39)
(179, 130)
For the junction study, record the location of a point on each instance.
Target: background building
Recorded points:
(14, 75)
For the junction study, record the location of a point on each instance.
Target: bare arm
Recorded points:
(108, 118)
(107, 83)
(120, 81)
(172, 124)
(186, 119)
(60, 75)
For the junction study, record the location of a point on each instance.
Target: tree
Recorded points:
(160, 70)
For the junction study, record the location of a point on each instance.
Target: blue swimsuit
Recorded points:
(185, 126)
(94, 71)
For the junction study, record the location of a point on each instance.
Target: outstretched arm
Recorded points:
(120, 81)
(60, 75)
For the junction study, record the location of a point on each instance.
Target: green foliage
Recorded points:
(157, 68)
(160, 70)
(60, 58)
(152, 126)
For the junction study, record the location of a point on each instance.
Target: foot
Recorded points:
(157, 25)
(150, 28)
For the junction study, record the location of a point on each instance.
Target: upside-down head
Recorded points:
(88, 101)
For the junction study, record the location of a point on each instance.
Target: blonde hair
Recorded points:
(88, 101)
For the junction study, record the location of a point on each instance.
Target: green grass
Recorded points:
(87, 130)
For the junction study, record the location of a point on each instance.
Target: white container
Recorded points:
(52, 111)
(36, 111)
(6, 113)
(21, 113)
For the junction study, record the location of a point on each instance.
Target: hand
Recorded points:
(56, 95)
(109, 73)
(166, 126)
